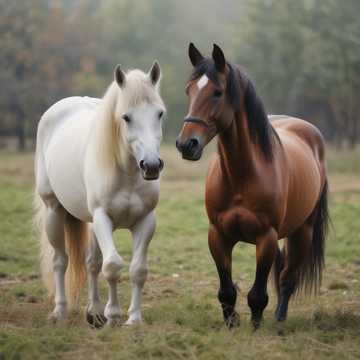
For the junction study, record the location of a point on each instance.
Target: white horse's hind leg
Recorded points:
(54, 226)
(95, 309)
(142, 234)
(112, 263)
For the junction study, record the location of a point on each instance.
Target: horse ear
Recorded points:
(195, 55)
(219, 58)
(119, 76)
(155, 73)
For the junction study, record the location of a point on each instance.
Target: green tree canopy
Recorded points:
(303, 55)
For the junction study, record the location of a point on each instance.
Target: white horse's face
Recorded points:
(143, 136)
(143, 122)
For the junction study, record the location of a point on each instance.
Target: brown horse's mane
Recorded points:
(241, 90)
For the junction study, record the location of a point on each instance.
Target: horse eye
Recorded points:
(161, 113)
(126, 117)
(217, 93)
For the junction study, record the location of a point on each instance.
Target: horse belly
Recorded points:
(64, 158)
(304, 185)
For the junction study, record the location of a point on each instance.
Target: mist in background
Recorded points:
(303, 55)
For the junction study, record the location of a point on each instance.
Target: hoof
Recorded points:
(233, 320)
(96, 321)
(280, 313)
(256, 322)
(256, 319)
(134, 320)
(114, 321)
(113, 315)
(131, 322)
(280, 317)
(57, 316)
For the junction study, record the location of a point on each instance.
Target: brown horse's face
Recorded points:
(208, 112)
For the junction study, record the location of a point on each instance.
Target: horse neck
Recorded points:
(237, 151)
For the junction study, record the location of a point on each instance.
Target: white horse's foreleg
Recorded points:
(54, 226)
(95, 309)
(142, 234)
(112, 262)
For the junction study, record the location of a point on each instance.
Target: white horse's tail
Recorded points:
(46, 250)
(76, 239)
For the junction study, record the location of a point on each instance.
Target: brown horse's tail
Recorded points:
(310, 274)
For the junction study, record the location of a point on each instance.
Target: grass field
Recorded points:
(182, 315)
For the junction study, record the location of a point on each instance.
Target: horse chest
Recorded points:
(240, 223)
(126, 208)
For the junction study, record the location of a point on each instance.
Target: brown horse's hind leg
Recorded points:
(297, 248)
(221, 251)
(266, 248)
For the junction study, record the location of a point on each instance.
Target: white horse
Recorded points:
(94, 159)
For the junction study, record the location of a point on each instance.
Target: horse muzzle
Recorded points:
(190, 149)
(150, 169)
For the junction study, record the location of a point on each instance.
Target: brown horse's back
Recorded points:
(304, 150)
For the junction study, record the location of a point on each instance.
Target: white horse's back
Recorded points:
(60, 112)
(66, 110)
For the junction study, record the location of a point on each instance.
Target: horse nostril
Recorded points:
(142, 165)
(161, 164)
(193, 144)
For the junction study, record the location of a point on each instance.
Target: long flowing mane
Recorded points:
(110, 132)
(240, 90)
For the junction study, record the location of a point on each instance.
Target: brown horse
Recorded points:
(267, 182)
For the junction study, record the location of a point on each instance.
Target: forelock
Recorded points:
(205, 67)
(138, 89)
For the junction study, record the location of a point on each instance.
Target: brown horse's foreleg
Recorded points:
(298, 246)
(221, 250)
(266, 248)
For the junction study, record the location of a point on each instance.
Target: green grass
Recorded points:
(182, 315)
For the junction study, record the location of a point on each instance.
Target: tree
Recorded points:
(19, 27)
(305, 58)
(303, 55)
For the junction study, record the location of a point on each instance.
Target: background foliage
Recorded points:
(304, 55)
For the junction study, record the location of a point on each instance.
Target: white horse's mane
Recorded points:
(110, 144)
